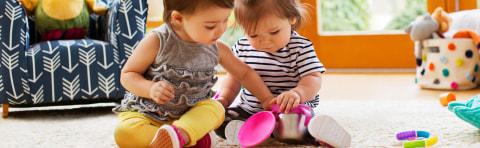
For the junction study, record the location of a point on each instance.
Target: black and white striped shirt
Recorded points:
(281, 71)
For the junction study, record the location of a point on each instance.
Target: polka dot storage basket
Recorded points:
(449, 64)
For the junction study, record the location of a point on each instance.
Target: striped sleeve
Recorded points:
(234, 48)
(307, 60)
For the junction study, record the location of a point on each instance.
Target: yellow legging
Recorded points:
(137, 130)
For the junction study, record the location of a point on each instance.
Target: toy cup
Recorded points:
(446, 98)
(290, 128)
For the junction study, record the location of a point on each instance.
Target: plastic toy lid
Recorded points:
(256, 129)
(300, 109)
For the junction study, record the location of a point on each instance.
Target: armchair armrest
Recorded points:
(126, 25)
(14, 26)
(14, 41)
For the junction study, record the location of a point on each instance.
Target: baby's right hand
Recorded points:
(162, 92)
(267, 105)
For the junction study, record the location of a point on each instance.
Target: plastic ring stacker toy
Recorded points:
(416, 139)
(421, 142)
(412, 134)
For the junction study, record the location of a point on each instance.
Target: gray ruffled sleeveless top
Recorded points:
(188, 67)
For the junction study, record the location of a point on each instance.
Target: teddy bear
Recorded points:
(443, 19)
(62, 19)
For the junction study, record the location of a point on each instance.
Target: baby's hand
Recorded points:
(162, 92)
(287, 101)
(267, 105)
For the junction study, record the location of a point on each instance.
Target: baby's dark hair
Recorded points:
(189, 6)
(249, 12)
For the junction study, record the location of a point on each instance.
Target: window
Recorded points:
(368, 15)
(373, 44)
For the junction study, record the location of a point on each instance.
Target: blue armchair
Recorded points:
(65, 72)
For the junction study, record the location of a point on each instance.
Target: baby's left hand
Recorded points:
(287, 101)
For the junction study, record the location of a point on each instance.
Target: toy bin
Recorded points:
(449, 64)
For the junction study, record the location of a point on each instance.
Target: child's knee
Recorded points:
(216, 107)
(220, 111)
(219, 108)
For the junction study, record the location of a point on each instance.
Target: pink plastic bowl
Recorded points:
(256, 129)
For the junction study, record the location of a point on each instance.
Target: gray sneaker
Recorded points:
(231, 131)
(328, 132)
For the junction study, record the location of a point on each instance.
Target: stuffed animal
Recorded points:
(62, 19)
(443, 20)
(467, 111)
(466, 33)
(428, 27)
(421, 30)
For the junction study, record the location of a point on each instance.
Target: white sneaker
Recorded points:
(166, 137)
(328, 132)
(231, 131)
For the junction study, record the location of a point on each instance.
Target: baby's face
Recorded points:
(206, 26)
(271, 34)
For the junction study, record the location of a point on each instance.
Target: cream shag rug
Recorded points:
(371, 124)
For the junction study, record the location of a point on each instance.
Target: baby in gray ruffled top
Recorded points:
(170, 76)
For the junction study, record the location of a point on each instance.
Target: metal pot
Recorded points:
(290, 128)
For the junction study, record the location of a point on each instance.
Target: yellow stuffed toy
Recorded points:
(62, 19)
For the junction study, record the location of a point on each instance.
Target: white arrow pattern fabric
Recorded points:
(34, 73)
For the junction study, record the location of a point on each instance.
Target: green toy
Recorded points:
(468, 111)
(62, 19)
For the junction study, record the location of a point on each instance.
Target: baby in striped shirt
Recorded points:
(285, 61)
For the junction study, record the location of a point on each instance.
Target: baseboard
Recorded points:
(370, 70)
